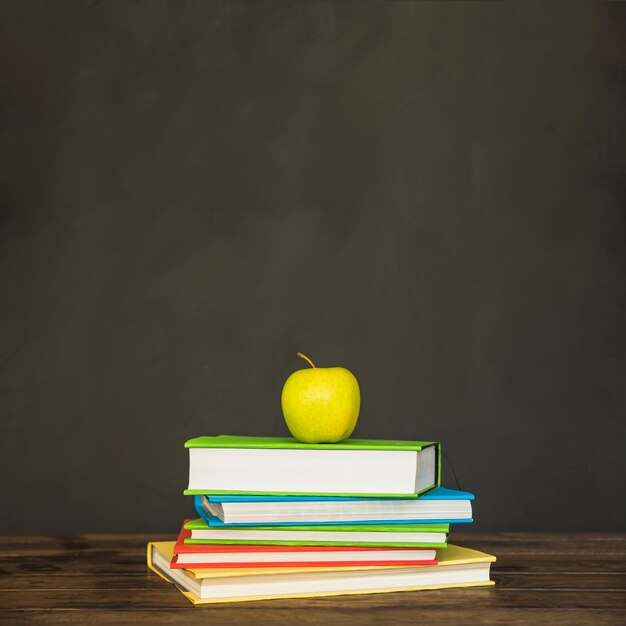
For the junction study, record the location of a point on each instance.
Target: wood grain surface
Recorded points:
(103, 579)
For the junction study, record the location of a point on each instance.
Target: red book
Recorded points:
(206, 555)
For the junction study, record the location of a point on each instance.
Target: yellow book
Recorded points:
(457, 567)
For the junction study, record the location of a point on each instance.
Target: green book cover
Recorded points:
(200, 524)
(381, 496)
(234, 441)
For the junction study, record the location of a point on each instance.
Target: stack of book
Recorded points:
(279, 518)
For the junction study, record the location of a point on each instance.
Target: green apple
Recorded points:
(321, 404)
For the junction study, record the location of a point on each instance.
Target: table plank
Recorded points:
(103, 579)
(434, 617)
(474, 598)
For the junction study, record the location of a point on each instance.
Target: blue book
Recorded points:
(439, 506)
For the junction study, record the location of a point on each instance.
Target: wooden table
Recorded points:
(542, 578)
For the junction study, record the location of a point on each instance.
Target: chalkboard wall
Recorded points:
(431, 195)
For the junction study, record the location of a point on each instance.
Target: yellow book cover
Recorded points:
(458, 567)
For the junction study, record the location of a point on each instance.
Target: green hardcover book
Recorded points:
(366, 535)
(283, 466)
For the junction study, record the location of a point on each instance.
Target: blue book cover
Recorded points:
(440, 493)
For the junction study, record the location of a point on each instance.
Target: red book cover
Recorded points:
(299, 555)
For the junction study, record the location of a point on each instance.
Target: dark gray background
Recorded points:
(429, 195)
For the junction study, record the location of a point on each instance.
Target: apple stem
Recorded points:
(306, 358)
